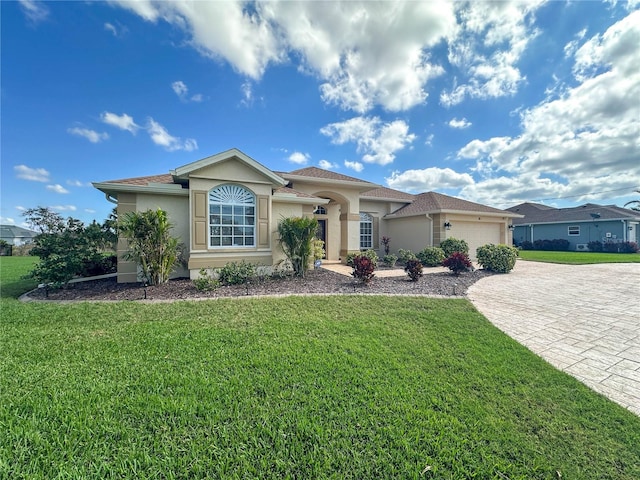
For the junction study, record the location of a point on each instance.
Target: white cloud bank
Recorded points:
(91, 135)
(364, 54)
(57, 188)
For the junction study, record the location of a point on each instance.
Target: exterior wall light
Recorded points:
(511, 226)
(447, 225)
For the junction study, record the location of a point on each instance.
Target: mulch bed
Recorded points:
(315, 282)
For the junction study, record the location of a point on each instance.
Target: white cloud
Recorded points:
(35, 11)
(123, 122)
(376, 141)
(198, 97)
(429, 140)
(7, 220)
(356, 166)
(487, 46)
(428, 179)
(20, 208)
(57, 188)
(459, 123)
(89, 210)
(180, 88)
(91, 135)
(583, 141)
(160, 136)
(299, 158)
(365, 53)
(64, 208)
(33, 174)
(116, 30)
(247, 94)
(78, 183)
(327, 165)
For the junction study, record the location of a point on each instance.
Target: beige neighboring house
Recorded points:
(227, 207)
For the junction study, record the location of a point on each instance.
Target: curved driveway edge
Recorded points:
(582, 319)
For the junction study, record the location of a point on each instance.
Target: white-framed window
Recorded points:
(320, 210)
(574, 230)
(232, 217)
(366, 231)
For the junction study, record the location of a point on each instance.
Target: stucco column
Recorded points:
(350, 234)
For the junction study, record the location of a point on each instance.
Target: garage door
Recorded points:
(475, 234)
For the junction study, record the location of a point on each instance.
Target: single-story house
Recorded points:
(226, 207)
(579, 225)
(15, 235)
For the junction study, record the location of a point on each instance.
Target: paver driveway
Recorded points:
(583, 319)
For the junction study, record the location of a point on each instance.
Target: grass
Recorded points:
(318, 387)
(11, 271)
(578, 258)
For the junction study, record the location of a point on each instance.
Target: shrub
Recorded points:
(497, 258)
(390, 260)
(595, 246)
(296, 236)
(526, 245)
(413, 268)
(370, 254)
(317, 249)
(431, 256)
(206, 282)
(386, 242)
(99, 265)
(560, 245)
(453, 245)
(363, 268)
(236, 273)
(629, 247)
(405, 255)
(457, 262)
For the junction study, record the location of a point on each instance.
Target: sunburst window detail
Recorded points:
(232, 217)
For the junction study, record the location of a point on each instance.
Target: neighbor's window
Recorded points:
(232, 217)
(574, 230)
(366, 231)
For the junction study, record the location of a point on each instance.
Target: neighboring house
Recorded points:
(16, 236)
(227, 207)
(579, 225)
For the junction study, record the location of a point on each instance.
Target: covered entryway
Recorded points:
(476, 234)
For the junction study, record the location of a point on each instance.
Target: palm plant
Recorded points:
(296, 236)
(151, 245)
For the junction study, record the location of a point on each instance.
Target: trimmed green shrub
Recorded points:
(452, 245)
(413, 269)
(457, 262)
(390, 260)
(206, 282)
(363, 268)
(431, 256)
(236, 273)
(595, 246)
(405, 255)
(370, 254)
(497, 258)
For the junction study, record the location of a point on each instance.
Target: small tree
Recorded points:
(296, 236)
(151, 245)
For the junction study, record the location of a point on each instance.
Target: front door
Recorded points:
(322, 234)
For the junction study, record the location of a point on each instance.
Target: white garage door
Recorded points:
(475, 234)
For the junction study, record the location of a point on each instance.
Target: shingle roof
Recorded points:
(315, 172)
(292, 191)
(164, 178)
(388, 194)
(14, 231)
(536, 213)
(434, 202)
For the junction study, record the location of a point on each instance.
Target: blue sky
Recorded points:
(498, 102)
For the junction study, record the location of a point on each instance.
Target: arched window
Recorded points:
(366, 231)
(232, 217)
(320, 210)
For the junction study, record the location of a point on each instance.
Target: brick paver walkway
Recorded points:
(583, 319)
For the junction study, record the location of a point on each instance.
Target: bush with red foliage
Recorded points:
(363, 268)
(457, 262)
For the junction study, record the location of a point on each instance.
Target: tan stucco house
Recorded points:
(226, 207)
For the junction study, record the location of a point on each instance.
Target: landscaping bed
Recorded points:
(319, 281)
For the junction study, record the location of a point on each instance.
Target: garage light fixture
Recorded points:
(511, 226)
(447, 225)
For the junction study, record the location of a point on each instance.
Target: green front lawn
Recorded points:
(578, 258)
(318, 387)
